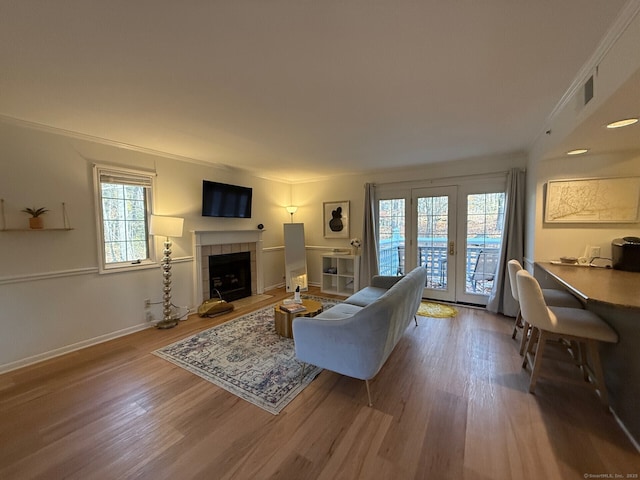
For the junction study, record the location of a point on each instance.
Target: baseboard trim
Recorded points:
(633, 441)
(25, 362)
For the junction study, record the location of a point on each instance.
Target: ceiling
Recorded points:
(296, 90)
(592, 133)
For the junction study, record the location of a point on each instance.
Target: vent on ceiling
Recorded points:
(588, 90)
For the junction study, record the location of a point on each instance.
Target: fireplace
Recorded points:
(207, 243)
(230, 274)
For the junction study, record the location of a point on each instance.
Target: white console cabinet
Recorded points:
(340, 274)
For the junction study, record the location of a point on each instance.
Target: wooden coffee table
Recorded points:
(284, 320)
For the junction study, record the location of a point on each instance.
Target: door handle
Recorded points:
(451, 248)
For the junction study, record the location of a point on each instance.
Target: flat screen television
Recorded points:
(223, 200)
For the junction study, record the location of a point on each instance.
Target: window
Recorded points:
(123, 204)
(485, 225)
(391, 231)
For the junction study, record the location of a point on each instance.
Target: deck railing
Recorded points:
(434, 257)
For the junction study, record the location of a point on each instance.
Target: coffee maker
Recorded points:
(625, 254)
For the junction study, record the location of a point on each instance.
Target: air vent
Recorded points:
(588, 90)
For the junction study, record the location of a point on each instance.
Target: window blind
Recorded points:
(124, 178)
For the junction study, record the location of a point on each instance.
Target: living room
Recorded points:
(50, 281)
(55, 301)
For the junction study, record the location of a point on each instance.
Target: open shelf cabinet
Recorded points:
(340, 274)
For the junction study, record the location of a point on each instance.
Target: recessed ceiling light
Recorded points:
(623, 123)
(578, 151)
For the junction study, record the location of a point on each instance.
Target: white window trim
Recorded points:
(103, 267)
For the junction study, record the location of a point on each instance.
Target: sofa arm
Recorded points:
(384, 281)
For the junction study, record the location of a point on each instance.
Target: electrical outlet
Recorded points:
(149, 317)
(147, 303)
(594, 252)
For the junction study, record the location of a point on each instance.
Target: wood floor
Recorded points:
(451, 402)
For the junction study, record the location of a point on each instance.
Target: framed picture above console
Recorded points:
(336, 219)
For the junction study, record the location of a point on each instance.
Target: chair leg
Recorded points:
(526, 332)
(592, 346)
(537, 360)
(528, 342)
(517, 324)
(584, 361)
(366, 382)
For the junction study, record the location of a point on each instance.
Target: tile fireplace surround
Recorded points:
(206, 243)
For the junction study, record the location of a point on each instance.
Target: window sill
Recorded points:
(128, 267)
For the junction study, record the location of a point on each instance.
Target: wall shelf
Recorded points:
(65, 222)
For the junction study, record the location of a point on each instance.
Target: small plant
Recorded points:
(35, 221)
(35, 212)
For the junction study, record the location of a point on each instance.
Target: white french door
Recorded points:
(433, 239)
(479, 240)
(455, 232)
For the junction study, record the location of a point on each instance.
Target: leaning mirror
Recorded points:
(295, 257)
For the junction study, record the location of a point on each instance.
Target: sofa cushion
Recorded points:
(339, 311)
(366, 296)
(385, 281)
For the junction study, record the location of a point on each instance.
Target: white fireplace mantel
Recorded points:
(222, 237)
(203, 238)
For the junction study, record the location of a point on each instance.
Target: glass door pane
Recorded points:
(435, 213)
(483, 238)
(391, 236)
(433, 225)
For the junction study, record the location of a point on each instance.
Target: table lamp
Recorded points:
(166, 227)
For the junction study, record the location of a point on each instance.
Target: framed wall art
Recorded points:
(593, 200)
(336, 219)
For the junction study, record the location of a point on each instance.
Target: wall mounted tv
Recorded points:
(223, 200)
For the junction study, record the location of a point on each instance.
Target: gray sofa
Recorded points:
(356, 337)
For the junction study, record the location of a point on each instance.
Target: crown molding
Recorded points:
(626, 16)
(105, 141)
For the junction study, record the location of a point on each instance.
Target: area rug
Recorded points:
(246, 357)
(436, 310)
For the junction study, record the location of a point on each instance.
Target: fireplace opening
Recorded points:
(230, 274)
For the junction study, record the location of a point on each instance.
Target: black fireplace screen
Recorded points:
(230, 274)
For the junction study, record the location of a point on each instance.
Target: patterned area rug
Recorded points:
(246, 357)
(436, 310)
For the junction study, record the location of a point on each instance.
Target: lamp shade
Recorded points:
(292, 209)
(166, 226)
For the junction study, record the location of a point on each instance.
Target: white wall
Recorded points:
(555, 240)
(52, 298)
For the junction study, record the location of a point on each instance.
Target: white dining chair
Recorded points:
(553, 297)
(570, 326)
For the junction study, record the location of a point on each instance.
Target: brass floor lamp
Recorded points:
(166, 227)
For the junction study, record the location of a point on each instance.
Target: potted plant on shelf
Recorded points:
(35, 221)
